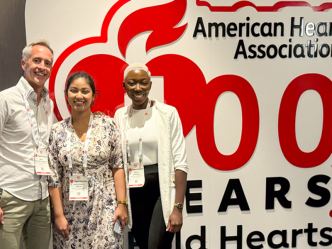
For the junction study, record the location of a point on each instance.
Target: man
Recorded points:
(26, 116)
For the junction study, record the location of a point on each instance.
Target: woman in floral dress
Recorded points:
(86, 223)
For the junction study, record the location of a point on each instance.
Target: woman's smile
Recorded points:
(137, 85)
(80, 95)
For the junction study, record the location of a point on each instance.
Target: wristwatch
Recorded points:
(178, 205)
(125, 201)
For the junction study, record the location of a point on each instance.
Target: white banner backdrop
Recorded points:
(252, 83)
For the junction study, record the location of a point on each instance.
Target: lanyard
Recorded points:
(27, 107)
(140, 140)
(86, 143)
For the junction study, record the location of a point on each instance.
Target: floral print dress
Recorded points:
(90, 221)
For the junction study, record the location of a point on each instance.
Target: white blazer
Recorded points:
(171, 152)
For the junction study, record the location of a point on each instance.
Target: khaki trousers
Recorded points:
(31, 219)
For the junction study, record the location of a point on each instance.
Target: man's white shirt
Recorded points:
(17, 145)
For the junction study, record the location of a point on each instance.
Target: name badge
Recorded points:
(78, 188)
(136, 175)
(41, 162)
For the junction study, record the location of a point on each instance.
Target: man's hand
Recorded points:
(1, 217)
(175, 221)
(62, 226)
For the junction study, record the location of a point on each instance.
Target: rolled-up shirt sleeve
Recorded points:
(54, 180)
(178, 143)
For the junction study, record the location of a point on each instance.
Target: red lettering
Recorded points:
(250, 122)
(287, 116)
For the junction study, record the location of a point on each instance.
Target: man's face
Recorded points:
(37, 69)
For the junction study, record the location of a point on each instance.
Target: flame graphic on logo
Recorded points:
(274, 8)
(103, 38)
(160, 19)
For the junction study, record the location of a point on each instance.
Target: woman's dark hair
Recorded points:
(83, 75)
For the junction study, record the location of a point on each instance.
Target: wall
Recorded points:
(12, 41)
(255, 106)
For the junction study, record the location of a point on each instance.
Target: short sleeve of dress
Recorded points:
(116, 161)
(54, 180)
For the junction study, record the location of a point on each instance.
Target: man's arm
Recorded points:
(4, 112)
(3, 120)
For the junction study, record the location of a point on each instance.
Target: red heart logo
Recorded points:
(180, 89)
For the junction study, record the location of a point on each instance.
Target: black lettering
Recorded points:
(283, 242)
(240, 200)
(193, 209)
(300, 26)
(282, 28)
(268, 51)
(324, 235)
(280, 195)
(316, 48)
(310, 231)
(216, 29)
(301, 46)
(224, 238)
(281, 55)
(199, 27)
(309, 49)
(201, 238)
(324, 25)
(260, 50)
(327, 53)
(231, 27)
(252, 50)
(248, 27)
(241, 49)
(314, 188)
(253, 29)
(250, 239)
(290, 48)
(295, 233)
(241, 25)
(269, 28)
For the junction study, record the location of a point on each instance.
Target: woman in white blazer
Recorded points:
(155, 162)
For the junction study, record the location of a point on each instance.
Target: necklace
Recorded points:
(78, 131)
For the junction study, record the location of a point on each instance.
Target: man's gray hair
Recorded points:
(136, 66)
(26, 52)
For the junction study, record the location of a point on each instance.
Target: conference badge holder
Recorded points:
(41, 159)
(78, 188)
(136, 169)
(78, 183)
(41, 162)
(136, 175)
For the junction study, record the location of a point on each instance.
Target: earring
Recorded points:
(93, 103)
(67, 102)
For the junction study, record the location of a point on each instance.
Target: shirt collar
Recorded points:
(26, 89)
